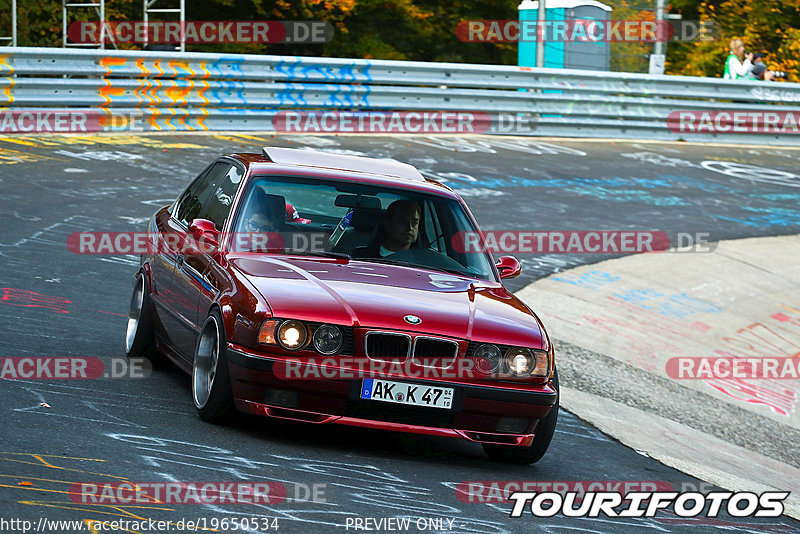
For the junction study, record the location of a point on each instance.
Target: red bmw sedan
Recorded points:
(366, 307)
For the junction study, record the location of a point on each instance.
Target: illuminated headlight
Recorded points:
(488, 359)
(292, 335)
(519, 362)
(328, 339)
(526, 362)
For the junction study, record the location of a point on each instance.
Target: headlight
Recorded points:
(519, 362)
(328, 339)
(292, 335)
(488, 359)
(526, 362)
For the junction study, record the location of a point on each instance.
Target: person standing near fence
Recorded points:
(734, 68)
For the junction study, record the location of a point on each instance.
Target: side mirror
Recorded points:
(205, 233)
(508, 266)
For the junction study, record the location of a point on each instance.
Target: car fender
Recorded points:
(228, 302)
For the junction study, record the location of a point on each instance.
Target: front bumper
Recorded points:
(485, 413)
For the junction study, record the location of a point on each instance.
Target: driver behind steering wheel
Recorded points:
(397, 232)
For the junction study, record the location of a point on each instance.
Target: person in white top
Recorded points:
(734, 68)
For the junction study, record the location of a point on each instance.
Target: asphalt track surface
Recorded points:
(55, 303)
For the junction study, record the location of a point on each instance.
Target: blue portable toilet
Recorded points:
(567, 54)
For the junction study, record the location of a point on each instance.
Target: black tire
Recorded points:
(541, 441)
(211, 382)
(140, 339)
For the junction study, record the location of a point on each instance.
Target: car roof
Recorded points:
(316, 163)
(317, 158)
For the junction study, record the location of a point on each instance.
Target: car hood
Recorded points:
(376, 295)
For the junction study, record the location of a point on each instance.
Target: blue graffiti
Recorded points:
(769, 219)
(339, 96)
(676, 305)
(778, 196)
(667, 304)
(687, 182)
(344, 97)
(629, 195)
(593, 280)
(225, 90)
(603, 188)
(299, 71)
(233, 66)
(566, 183)
(281, 67)
(291, 95)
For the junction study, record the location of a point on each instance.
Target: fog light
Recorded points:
(292, 335)
(328, 339)
(513, 425)
(487, 359)
(280, 397)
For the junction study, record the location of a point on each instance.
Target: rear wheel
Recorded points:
(211, 383)
(140, 338)
(541, 440)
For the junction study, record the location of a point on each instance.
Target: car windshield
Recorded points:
(295, 215)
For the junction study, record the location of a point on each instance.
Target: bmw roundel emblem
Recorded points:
(412, 319)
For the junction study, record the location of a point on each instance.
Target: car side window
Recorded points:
(187, 206)
(195, 198)
(218, 197)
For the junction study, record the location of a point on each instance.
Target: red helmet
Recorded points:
(292, 215)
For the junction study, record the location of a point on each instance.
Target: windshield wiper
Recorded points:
(321, 254)
(402, 263)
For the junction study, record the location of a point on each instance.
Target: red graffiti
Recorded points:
(779, 399)
(30, 299)
(776, 337)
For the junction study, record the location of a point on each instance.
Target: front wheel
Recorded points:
(211, 383)
(541, 440)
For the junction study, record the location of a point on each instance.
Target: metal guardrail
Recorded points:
(191, 91)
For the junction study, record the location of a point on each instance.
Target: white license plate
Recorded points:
(405, 393)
